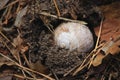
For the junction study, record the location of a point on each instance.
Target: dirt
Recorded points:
(35, 31)
(42, 46)
(40, 39)
(60, 61)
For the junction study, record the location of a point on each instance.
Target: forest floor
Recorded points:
(27, 50)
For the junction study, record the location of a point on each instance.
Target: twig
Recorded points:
(16, 57)
(56, 6)
(100, 30)
(22, 77)
(81, 67)
(7, 39)
(71, 70)
(96, 46)
(7, 15)
(25, 68)
(61, 18)
(5, 12)
(56, 78)
(83, 63)
(90, 62)
(12, 3)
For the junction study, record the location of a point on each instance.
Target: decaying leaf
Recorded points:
(111, 47)
(15, 51)
(110, 28)
(115, 48)
(17, 41)
(5, 61)
(20, 14)
(37, 66)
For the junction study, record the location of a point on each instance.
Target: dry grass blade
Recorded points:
(100, 30)
(49, 26)
(61, 18)
(22, 77)
(71, 70)
(96, 46)
(89, 62)
(25, 68)
(7, 39)
(12, 3)
(82, 66)
(58, 11)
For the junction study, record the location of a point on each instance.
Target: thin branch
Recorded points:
(62, 18)
(25, 68)
(7, 39)
(57, 9)
(96, 46)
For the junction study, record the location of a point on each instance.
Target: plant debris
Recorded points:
(28, 50)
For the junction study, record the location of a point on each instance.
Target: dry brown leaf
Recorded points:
(37, 66)
(20, 14)
(98, 59)
(5, 61)
(110, 29)
(15, 51)
(111, 47)
(17, 41)
(23, 49)
(115, 48)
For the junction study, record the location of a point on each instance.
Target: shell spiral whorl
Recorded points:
(74, 36)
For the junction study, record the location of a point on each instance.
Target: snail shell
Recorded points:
(74, 36)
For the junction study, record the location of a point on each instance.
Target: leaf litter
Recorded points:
(26, 41)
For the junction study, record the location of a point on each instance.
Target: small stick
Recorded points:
(12, 3)
(96, 46)
(62, 18)
(22, 77)
(7, 39)
(68, 72)
(100, 30)
(25, 68)
(56, 6)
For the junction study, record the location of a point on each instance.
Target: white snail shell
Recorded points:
(73, 36)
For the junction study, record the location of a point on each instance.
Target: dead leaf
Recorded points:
(115, 48)
(18, 41)
(110, 29)
(15, 51)
(5, 61)
(73, 15)
(23, 49)
(37, 66)
(111, 47)
(20, 14)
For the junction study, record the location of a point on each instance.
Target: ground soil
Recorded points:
(38, 37)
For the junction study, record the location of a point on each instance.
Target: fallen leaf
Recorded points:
(110, 29)
(4, 61)
(15, 51)
(23, 49)
(20, 14)
(38, 66)
(115, 48)
(111, 47)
